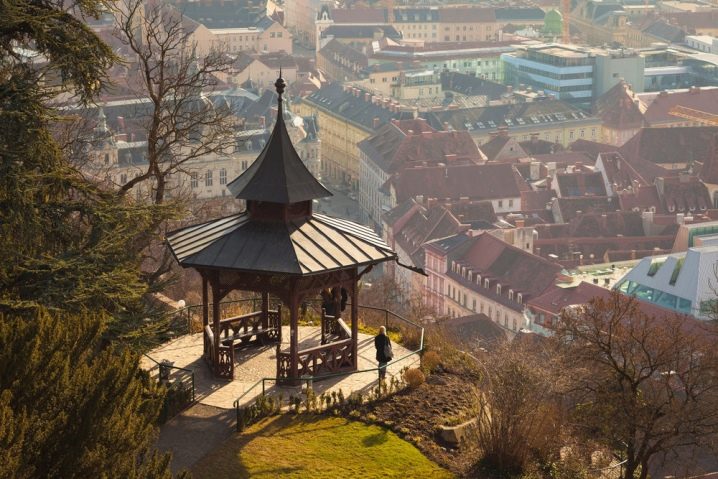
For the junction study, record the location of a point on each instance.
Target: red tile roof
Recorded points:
(410, 143)
(467, 15)
(359, 15)
(703, 99)
(620, 109)
(641, 198)
(654, 151)
(504, 264)
(477, 182)
(536, 200)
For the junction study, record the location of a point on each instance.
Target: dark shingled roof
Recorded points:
(508, 14)
(298, 247)
(276, 244)
(278, 175)
(471, 85)
(355, 109)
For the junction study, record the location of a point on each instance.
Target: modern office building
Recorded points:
(570, 73)
(682, 282)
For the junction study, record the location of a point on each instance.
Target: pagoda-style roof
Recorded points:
(296, 247)
(278, 175)
(278, 233)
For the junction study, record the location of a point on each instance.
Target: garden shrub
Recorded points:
(414, 377)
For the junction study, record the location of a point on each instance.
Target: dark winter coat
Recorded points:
(380, 341)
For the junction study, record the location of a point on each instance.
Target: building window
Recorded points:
(511, 295)
(473, 307)
(223, 176)
(498, 289)
(123, 178)
(208, 178)
(194, 182)
(570, 135)
(244, 165)
(501, 203)
(511, 203)
(107, 158)
(486, 283)
(519, 298)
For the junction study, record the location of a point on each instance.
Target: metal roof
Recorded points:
(278, 175)
(305, 246)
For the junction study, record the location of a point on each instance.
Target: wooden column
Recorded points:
(216, 298)
(205, 302)
(265, 310)
(355, 321)
(294, 333)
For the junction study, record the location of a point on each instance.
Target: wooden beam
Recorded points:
(216, 311)
(294, 333)
(205, 301)
(355, 321)
(265, 309)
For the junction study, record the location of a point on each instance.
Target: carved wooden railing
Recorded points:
(223, 363)
(243, 328)
(324, 359)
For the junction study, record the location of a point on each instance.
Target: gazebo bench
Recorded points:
(239, 330)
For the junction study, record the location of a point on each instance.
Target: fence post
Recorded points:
(193, 396)
(386, 318)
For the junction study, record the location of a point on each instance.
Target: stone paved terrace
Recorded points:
(256, 362)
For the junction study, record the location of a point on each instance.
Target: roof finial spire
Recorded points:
(280, 85)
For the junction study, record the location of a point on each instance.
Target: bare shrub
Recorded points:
(430, 361)
(414, 377)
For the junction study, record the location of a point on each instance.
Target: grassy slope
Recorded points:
(316, 447)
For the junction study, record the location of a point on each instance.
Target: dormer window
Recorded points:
(486, 283)
(498, 289)
(478, 279)
(519, 298)
(511, 295)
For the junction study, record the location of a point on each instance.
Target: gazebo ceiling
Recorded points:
(297, 247)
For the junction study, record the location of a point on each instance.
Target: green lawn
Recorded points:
(316, 447)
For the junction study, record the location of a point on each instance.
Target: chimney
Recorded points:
(376, 123)
(367, 97)
(680, 218)
(463, 200)
(121, 123)
(450, 157)
(446, 126)
(520, 223)
(431, 202)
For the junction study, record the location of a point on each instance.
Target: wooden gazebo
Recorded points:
(278, 246)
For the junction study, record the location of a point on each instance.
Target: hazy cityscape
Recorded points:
(359, 238)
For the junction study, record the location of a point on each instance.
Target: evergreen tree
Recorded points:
(70, 404)
(69, 408)
(66, 243)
